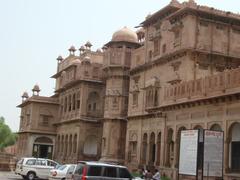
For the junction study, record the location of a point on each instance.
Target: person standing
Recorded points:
(156, 176)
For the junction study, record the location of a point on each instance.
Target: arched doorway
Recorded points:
(43, 148)
(235, 147)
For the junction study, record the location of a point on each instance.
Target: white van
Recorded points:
(32, 168)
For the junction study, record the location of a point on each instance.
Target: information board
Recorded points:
(188, 152)
(213, 153)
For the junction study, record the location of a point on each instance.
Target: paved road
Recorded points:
(9, 176)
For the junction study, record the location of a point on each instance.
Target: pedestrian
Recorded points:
(148, 175)
(156, 176)
(143, 173)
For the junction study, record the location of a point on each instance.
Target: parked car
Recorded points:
(31, 168)
(98, 171)
(61, 172)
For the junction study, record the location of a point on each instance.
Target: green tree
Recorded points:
(7, 138)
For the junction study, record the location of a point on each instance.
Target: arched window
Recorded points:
(75, 143)
(158, 149)
(93, 102)
(170, 147)
(90, 146)
(70, 145)
(144, 148)
(216, 127)
(152, 150)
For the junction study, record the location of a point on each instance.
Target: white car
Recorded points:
(61, 172)
(31, 168)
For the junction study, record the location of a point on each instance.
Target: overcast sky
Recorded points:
(34, 32)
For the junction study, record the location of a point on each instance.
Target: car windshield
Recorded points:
(61, 168)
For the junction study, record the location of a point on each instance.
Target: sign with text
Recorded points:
(188, 152)
(213, 153)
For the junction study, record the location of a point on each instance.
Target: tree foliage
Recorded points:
(7, 138)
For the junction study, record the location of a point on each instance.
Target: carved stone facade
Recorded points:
(128, 102)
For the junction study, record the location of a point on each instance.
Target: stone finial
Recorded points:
(88, 45)
(36, 90)
(59, 58)
(72, 50)
(25, 96)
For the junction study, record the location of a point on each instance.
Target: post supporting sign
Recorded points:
(213, 153)
(188, 152)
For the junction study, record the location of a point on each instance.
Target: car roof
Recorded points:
(37, 158)
(96, 163)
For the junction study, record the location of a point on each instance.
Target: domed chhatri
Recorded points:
(25, 96)
(59, 58)
(36, 90)
(125, 34)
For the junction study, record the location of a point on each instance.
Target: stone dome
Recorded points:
(36, 88)
(125, 34)
(25, 95)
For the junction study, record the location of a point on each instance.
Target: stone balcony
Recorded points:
(221, 84)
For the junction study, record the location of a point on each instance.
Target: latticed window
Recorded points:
(152, 97)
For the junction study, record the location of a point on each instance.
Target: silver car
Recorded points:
(98, 171)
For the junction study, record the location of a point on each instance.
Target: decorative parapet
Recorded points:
(224, 83)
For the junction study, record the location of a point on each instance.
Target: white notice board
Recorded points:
(188, 152)
(213, 153)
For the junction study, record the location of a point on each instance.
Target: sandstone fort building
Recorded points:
(128, 102)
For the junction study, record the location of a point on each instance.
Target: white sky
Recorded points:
(34, 32)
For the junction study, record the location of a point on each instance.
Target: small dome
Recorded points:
(82, 48)
(125, 34)
(88, 44)
(72, 49)
(59, 58)
(25, 95)
(36, 88)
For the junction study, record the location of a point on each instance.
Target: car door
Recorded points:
(42, 169)
(110, 173)
(124, 174)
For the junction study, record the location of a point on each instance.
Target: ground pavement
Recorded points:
(8, 175)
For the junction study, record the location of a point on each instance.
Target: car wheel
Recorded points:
(31, 176)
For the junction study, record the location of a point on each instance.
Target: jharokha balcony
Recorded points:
(223, 84)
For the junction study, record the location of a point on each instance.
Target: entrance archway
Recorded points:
(42, 147)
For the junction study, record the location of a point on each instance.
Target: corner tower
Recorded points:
(117, 62)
